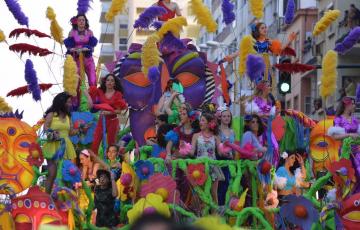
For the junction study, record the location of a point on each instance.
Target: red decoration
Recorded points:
(27, 32)
(278, 127)
(24, 47)
(288, 51)
(105, 107)
(196, 174)
(224, 84)
(265, 167)
(349, 212)
(294, 67)
(24, 89)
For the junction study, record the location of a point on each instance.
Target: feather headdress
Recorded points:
(4, 107)
(255, 66)
(227, 9)
(246, 48)
(83, 6)
(350, 40)
(71, 77)
(290, 12)
(15, 9)
(257, 8)
(2, 36)
(148, 16)
(203, 15)
(56, 30)
(173, 25)
(329, 74)
(117, 6)
(329, 17)
(150, 55)
(32, 81)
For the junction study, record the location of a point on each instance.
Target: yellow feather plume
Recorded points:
(117, 6)
(328, 18)
(150, 55)
(257, 8)
(71, 77)
(56, 30)
(2, 36)
(246, 48)
(329, 74)
(173, 25)
(4, 107)
(203, 15)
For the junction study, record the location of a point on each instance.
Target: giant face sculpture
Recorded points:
(181, 63)
(323, 148)
(15, 139)
(350, 212)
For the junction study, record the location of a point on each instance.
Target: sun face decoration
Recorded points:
(323, 148)
(15, 139)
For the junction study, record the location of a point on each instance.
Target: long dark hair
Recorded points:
(292, 168)
(117, 86)
(341, 108)
(261, 124)
(161, 132)
(256, 32)
(59, 104)
(211, 119)
(73, 21)
(194, 123)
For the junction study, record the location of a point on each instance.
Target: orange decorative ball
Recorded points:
(196, 174)
(300, 211)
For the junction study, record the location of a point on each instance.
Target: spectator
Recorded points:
(318, 114)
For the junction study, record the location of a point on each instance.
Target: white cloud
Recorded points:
(49, 69)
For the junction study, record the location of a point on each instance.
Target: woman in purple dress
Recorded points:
(346, 125)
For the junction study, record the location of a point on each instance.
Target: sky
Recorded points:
(50, 68)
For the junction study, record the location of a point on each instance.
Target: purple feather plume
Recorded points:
(290, 12)
(228, 11)
(83, 6)
(350, 40)
(31, 79)
(255, 66)
(154, 76)
(15, 9)
(157, 25)
(148, 16)
(358, 92)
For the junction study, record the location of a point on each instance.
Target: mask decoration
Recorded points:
(350, 212)
(182, 62)
(15, 139)
(323, 148)
(33, 209)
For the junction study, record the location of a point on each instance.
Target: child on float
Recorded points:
(205, 144)
(105, 193)
(90, 163)
(114, 161)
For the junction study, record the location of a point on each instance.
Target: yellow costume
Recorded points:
(63, 127)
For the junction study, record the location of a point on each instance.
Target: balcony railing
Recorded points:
(224, 34)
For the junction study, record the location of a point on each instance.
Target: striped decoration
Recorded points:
(210, 86)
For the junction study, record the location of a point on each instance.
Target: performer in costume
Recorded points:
(58, 126)
(346, 125)
(172, 9)
(253, 131)
(108, 93)
(81, 37)
(261, 104)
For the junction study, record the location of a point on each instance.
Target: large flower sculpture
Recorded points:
(71, 173)
(81, 120)
(299, 211)
(144, 169)
(127, 184)
(162, 185)
(35, 157)
(151, 204)
(263, 170)
(196, 174)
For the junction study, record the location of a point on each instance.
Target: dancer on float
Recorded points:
(261, 104)
(81, 39)
(206, 144)
(110, 94)
(58, 126)
(172, 9)
(346, 125)
(253, 131)
(172, 101)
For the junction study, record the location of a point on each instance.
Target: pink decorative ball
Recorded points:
(126, 179)
(145, 170)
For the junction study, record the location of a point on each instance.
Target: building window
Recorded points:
(123, 26)
(307, 105)
(288, 104)
(123, 47)
(296, 102)
(123, 41)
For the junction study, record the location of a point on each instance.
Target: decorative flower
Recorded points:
(263, 169)
(152, 203)
(165, 186)
(299, 211)
(284, 155)
(85, 123)
(35, 157)
(73, 20)
(342, 168)
(71, 173)
(196, 174)
(127, 182)
(185, 148)
(144, 169)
